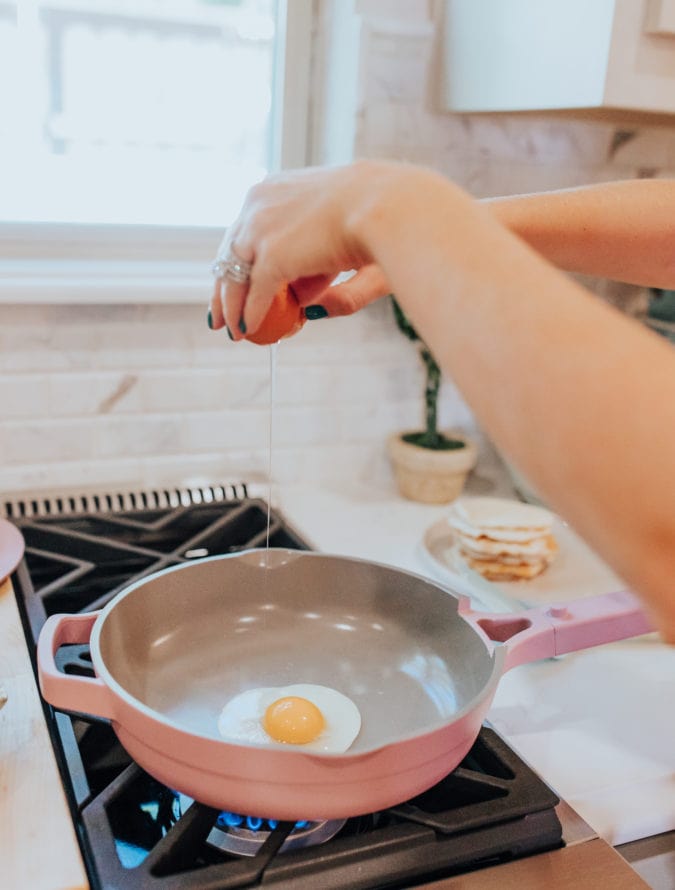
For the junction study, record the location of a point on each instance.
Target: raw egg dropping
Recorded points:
(305, 715)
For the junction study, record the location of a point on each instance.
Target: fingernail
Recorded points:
(209, 320)
(229, 334)
(242, 325)
(314, 312)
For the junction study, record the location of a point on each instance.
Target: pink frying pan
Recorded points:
(172, 649)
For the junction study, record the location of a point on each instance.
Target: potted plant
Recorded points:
(430, 465)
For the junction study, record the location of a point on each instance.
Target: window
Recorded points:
(132, 131)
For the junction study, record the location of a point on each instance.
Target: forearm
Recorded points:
(579, 396)
(620, 230)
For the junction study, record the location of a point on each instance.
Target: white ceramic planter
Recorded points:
(432, 477)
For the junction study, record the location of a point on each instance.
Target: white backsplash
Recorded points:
(119, 396)
(122, 395)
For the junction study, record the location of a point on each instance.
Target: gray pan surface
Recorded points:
(184, 642)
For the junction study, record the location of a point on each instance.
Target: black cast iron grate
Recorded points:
(137, 834)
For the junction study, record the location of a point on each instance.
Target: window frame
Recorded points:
(87, 263)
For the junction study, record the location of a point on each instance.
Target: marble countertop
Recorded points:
(38, 849)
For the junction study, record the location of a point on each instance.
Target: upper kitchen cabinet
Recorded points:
(520, 55)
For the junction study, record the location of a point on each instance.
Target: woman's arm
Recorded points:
(575, 393)
(619, 230)
(578, 395)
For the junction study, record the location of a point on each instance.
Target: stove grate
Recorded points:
(147, 835)
(136, 834)
(120, 501)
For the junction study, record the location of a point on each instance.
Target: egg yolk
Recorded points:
(293, 720)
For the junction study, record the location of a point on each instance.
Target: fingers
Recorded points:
(315, 294)
(274, 267)
(309, 290)
(216, 317)
(265, 282)
(292, 229)
(232, 297)
(346, 298)
(233, 267)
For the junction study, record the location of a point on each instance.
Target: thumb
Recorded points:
(347, 297)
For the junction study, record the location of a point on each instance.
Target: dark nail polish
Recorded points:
(242, 325)
(229, 334)
(209, 320)
(314, 312)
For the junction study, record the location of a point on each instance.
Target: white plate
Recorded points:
(576, 572)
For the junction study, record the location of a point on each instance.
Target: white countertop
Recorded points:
(598, 725)
(32, 856)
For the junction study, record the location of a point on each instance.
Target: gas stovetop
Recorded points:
(136, 833)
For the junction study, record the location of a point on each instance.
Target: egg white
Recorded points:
(241, 718)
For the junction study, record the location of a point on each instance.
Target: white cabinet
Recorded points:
(661, 17)
(518, 55)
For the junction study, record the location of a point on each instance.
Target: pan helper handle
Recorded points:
(69, 692)
(567, 627)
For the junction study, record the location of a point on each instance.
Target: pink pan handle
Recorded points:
(568, 627)
(68, 692)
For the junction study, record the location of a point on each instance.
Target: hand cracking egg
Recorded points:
(304, 715)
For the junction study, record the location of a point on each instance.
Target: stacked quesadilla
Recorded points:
(502, 539)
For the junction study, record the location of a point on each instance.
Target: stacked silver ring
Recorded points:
(233, 267)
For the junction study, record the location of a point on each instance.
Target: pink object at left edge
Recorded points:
(11, 548)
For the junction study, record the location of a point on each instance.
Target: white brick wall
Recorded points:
(115, 396)
(110, 396)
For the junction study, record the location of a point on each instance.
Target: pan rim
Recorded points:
(497, 653)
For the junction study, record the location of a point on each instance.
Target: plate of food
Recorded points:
(508, 554)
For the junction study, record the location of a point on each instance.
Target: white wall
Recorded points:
(122, 396)
(489, 154)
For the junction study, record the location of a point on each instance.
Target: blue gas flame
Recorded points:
(253, 823)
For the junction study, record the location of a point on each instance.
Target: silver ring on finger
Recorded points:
(233, 267)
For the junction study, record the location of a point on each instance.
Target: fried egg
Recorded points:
(304, 715)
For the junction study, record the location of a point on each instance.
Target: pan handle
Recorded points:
(560, 628)
(69, 692)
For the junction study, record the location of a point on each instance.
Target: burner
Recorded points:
(245, 835)
(135, 833)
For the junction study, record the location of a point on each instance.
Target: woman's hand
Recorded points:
(298, 227)
(292, 228)
(345, 298)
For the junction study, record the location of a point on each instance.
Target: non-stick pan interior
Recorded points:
(186, 641)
